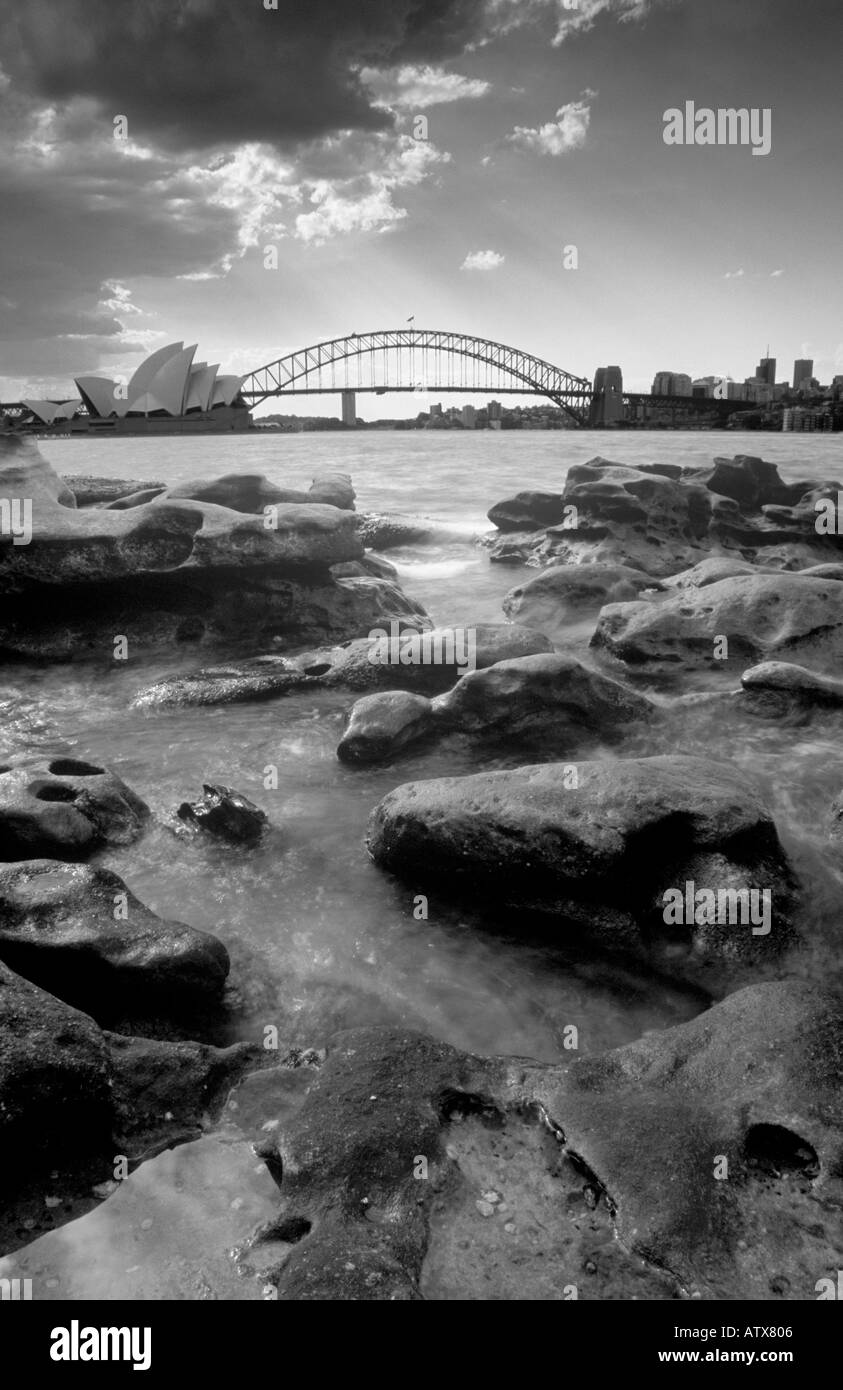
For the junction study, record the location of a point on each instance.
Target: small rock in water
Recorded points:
(485, 1208)
(225, 813)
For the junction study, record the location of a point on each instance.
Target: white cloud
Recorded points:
(774, 274)
(557, 137)
(416, 88)
(482, 260)
(364, 203)
(506, 15)
(734, 274)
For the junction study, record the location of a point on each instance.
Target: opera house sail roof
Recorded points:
(166, 385)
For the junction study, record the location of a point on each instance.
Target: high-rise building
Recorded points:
(671, 384)
(803, 371)
(469, 417)
(766, 370)
(495, 410)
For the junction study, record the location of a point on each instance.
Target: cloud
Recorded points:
(557, 137)
(197, 73)
(416, 88)
(482, 260)
(734, 274)
(506, 15)
(774, 274)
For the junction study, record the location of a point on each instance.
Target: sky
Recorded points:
(332, 166)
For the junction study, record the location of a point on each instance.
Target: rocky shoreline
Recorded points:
(701, 1161)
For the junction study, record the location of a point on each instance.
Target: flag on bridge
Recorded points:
(411, 319)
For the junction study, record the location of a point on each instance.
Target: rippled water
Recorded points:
(335, 939)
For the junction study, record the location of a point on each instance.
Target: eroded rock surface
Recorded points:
(64, 807)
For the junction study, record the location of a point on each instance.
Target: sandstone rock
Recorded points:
(388, 531)
(54, 1081)
(411, 1170)
(754, 1081)
(59, 928)
(663, 520)
(90, 491)
(709, 571)
(64, 807)
(252, 492)
(381, 725)
(795, 684)
(351, 666)
(563, 592)
(761, 615)
(528, 511)
(545, 696)
(226, 813)
(170, 1231)
(163, 1091)
(370, 566)
(597, 853)
(172, 569)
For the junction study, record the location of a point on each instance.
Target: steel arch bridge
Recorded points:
(414, 359)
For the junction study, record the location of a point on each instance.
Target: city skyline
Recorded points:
(486, 166)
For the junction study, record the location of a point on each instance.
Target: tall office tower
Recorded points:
(662, 384)
(495, 410)
(766, 370)
(469, 417)
(803, 370)
(681, 384)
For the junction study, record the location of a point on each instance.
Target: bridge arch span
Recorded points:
(413, 359)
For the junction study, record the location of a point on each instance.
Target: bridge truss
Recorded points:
(422, 361)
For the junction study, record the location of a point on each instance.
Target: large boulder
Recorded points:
(430, 662)
(664, 520)
(551, 698)
(64, 807)
(252, 492)
(528, 511)
(564, 593)
(789, 685)
(79, 933)
(665, 858)
(761, 616)
(175, 569)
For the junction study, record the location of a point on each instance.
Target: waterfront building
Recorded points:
(803, 371)
(766, 370)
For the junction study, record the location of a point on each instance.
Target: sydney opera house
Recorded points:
(169, 393)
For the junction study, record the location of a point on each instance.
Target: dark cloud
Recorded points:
(201, 73)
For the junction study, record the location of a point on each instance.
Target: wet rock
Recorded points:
(64, 807)
(381, 725)
(528, 511)
(664, 520)
(688, 1164)
(542, 697)
(172, 569)
(719, 1141)
(370, 566)
(91, 491)
(252, 492)
(79, 933)
(761, 616)
(607, 853)
(225, 813)
(363, 664)
(384, 1165)
(54, 1081)
(557, 594)
(388, 531)
(162, 1090)
(795, 684)
(709, 571)
(171, 1230)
